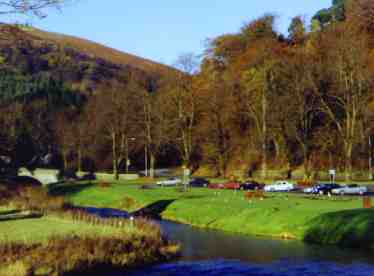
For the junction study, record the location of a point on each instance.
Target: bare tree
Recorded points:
(116, 111)
(183, 99)
(301, 104)
(155, 126)
(345, 102)
(29, 7)
(64, 136)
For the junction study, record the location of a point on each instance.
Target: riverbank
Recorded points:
(52, 245)
(290, 216)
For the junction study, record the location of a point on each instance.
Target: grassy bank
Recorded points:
(278, 215)
(57, 246)
(349, 228)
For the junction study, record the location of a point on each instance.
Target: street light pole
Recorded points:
(146, 159)
(370, 159)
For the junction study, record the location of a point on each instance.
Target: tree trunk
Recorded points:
(370, 159)
(306, 163)
(348, 161)
(79, 159)
(152, 165)
(264, 160)
(222, 166)
(115, 160)
(277, 151)
(264, 133)
(64, 156)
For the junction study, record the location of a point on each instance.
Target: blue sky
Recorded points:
(161, 30)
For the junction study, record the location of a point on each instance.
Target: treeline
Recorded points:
(259, 100)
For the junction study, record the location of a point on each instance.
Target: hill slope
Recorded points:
(81, 64)
(100, 51)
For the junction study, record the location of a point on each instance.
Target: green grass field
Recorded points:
(276, 215)
(38, 230)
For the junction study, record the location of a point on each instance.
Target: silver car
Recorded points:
(352, 189)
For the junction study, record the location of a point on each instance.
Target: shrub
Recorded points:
(104, 184)
(34, 198)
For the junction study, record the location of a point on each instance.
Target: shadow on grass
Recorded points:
(68, 188)
(350, 228)
(153, 210)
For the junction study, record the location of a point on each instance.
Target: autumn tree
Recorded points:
(345, 101)
(183, 105)
(297, 31)
(259, 80)
(301, 105)
(217, 126)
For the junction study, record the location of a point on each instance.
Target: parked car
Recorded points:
(325, 188)
(171, 181)
(352, 189)
(279, 186)
(199, 182)
(309, 190)
(232, 185)
(251, 185)
(216, 186)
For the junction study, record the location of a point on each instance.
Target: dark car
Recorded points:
(325, 188)
(199, 182)
(252, 185)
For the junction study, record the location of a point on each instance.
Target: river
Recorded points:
(208, 253)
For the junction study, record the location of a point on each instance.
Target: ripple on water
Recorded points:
(281, 268)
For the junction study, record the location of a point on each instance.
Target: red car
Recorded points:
(216, 186)
(232, 185)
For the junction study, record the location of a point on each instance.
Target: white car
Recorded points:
(352, 189)
(279, 186)
(172, 181)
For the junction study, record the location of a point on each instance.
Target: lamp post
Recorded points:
(146, 159)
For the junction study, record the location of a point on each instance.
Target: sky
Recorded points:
(162, 30)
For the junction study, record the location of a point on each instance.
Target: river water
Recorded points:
(217, 253)
(206, 252)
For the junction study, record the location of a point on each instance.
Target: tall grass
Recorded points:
(72, 254)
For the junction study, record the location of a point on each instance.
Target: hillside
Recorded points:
(97, 50)
(80, 64)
